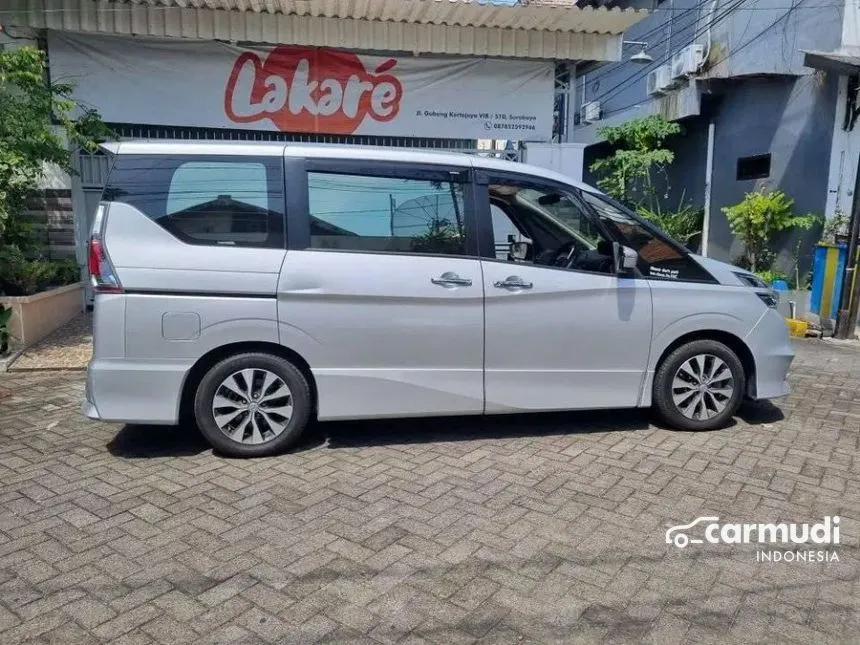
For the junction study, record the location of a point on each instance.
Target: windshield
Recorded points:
(634, 231)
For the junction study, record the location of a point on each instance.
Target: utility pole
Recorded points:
(846, 320)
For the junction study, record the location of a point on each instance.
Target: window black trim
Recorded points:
(385, 169)
(619, 276)
(296, 192)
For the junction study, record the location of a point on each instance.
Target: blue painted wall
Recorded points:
(790, 117)
(756, 92)
(750, 38)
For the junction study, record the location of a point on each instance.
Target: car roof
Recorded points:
(337, 151)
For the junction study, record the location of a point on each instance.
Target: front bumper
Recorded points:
(771, 347)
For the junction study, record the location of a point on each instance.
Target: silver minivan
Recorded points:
(252, 287)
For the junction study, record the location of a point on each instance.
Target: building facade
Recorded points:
(448, 75)
(735, 75)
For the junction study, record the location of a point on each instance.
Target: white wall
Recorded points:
(844, 152)
(566, 158)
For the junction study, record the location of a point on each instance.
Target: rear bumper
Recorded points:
(127, 391)
(773, 353)
(89, 410)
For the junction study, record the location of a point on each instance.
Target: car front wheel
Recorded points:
(699, 386)
(252, 405)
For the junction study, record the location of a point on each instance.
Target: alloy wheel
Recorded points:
(252, 406)
(702, 387)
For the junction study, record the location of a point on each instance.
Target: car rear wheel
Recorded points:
(699, 386)
(252, 405)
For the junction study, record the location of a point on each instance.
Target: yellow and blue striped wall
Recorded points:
(828, 270)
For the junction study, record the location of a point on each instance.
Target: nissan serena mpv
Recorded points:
(252, 287)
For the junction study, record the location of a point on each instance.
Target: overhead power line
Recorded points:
(734, 52)
(638, 75)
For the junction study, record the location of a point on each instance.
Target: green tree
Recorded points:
(628, 174)
(40, 123)
(631, 173)
(757, 218)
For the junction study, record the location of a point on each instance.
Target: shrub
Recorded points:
(761, 215)
(5, 315)
(20, 276)
(683, 224)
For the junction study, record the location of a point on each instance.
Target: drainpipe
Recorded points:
(709, 175)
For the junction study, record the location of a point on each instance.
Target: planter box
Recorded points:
(36, 316)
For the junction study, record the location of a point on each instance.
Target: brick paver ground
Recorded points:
(535, 529)
(69, 347)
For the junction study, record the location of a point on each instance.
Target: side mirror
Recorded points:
(626, 259)
(520, 250)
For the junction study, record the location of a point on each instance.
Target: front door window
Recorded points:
(544, 226)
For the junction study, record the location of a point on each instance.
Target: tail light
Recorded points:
(103, 276)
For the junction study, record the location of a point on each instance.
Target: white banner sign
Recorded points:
(304, 89)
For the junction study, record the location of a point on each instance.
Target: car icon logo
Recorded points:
(674, 534)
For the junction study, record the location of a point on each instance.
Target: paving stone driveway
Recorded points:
(505, 530)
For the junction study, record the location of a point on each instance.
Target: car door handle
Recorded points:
(513, 282)
(450, 279)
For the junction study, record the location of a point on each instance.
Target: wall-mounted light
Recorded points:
(641, 57)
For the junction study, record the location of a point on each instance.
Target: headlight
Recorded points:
(770, 299)
(751, 280)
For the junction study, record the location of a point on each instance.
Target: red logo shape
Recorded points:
(303, 89)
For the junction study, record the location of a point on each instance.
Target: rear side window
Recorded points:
(210, 201)
(386, 214)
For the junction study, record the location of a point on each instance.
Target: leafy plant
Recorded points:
(837, 225)
(769, 276)
(798, 281)
(5, 335)
(40, 123)
(628, 174)
(636, 175)
(66, 272)
(20, 276)
(761, 215)
(683, 224)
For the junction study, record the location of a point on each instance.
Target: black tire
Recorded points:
(664, 402)
(210, 383)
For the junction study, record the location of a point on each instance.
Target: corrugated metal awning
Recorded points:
(540, 15)
(537, 29)
(840, 62)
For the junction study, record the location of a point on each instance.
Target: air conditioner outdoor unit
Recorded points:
(687, 61)
(652, 82)
(590, 112)
(665, 81)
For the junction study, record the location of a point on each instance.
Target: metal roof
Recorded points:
(542, 15)
(537, 29)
